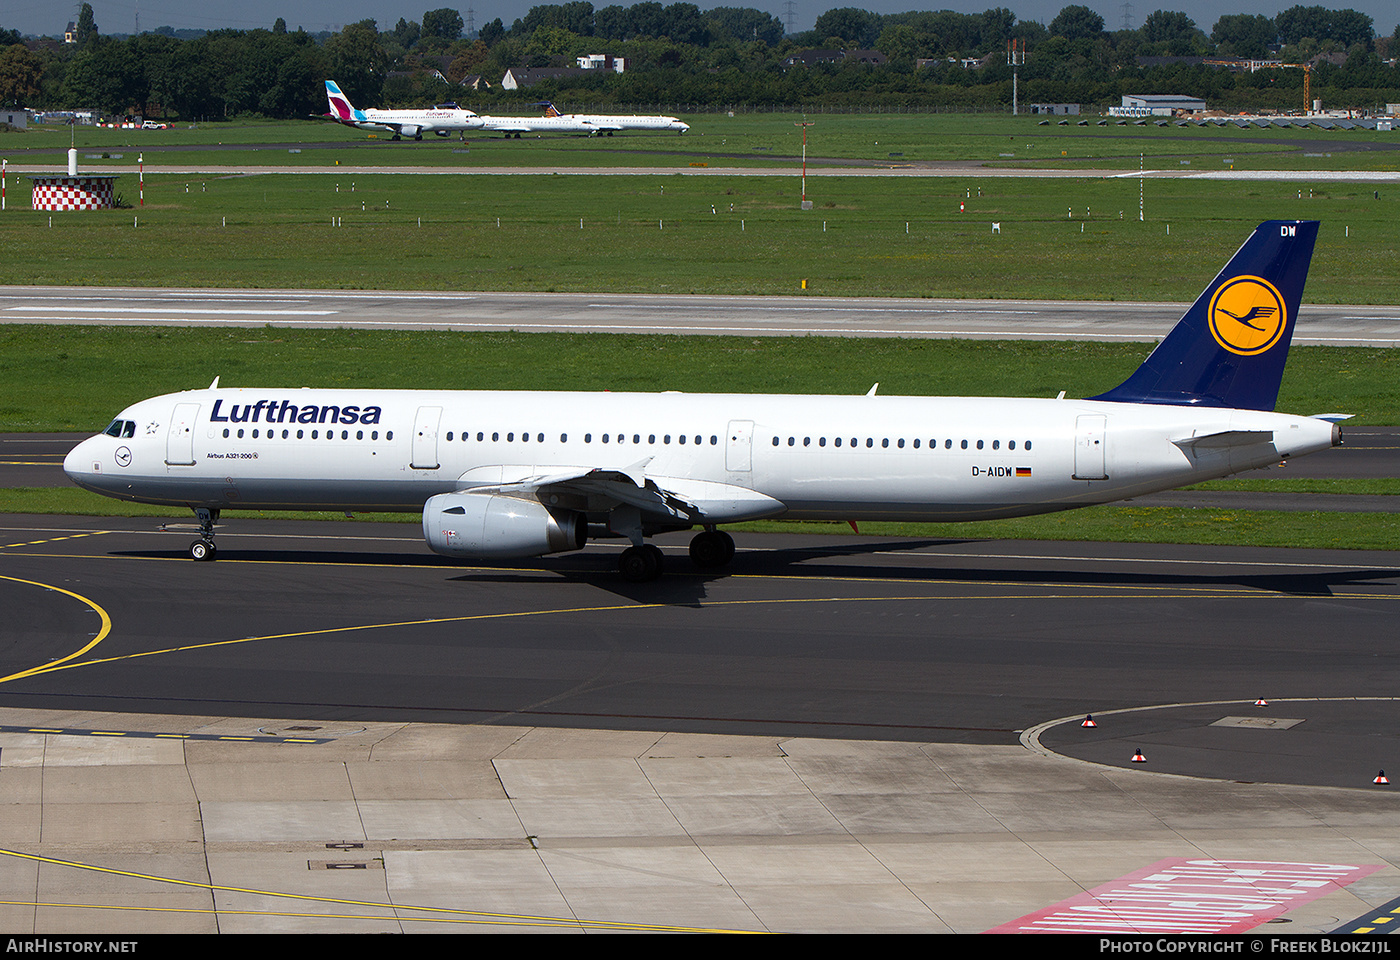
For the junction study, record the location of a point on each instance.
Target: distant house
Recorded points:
(967, 63)
(71, 34)
(17, 119)
(603, 61)
(1055, 109)
(519, 78)
(809, 58)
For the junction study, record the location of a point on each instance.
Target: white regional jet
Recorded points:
(608, 124)
(523, 474)
(515, 126)
(443, 119)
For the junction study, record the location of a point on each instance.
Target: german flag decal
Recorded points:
(1023, 471)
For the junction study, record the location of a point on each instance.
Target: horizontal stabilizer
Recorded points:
(1228, 438)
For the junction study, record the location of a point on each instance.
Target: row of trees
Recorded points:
(726, 56)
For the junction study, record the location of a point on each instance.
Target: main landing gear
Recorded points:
(709, 550)
(203, 548)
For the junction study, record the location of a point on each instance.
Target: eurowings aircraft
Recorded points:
(443, 119)
(608, 124)
(522, 474)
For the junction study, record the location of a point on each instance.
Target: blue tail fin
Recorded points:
(1230, 347)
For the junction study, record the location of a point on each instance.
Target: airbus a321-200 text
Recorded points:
(520, 474)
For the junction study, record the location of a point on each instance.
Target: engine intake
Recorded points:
(481, 525)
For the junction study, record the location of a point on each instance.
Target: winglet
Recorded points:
(1229, 349)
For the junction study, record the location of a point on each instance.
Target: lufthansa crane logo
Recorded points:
(1247, 315)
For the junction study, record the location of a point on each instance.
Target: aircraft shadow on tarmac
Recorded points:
(686, 585)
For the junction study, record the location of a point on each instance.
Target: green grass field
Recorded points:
(887, 236)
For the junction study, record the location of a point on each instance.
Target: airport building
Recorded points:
(1156, 105)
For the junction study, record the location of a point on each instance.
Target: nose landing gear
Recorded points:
(203, 548)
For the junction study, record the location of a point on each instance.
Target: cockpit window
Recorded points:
(121, 428)
(115, 430)
(130, 429)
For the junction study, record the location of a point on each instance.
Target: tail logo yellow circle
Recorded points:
(1247, 315)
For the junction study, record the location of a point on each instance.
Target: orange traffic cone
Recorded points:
(1138, 757)
(1089, 721)
(1380, 778)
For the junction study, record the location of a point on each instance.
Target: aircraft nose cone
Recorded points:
(78, 463)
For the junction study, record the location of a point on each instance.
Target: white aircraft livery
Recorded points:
(608, 124)
(443, 119)
(507, 474)
(515, 126)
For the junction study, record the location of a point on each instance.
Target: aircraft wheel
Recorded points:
(203, 549)
(711, 549)
(640, 564)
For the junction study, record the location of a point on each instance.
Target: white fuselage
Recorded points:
(806, 457)
(510, 125)
(415, 122)
(607, 123)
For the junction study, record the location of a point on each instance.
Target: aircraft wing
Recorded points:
(598, 489)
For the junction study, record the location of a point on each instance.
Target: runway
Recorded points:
(1337, 325)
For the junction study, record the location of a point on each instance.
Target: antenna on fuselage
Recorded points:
(215, 384)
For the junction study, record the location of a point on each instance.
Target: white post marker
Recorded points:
(141, 177)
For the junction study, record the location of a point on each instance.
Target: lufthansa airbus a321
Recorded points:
(522, 474)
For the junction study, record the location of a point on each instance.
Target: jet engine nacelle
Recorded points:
(482, 525)
(408, 131)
